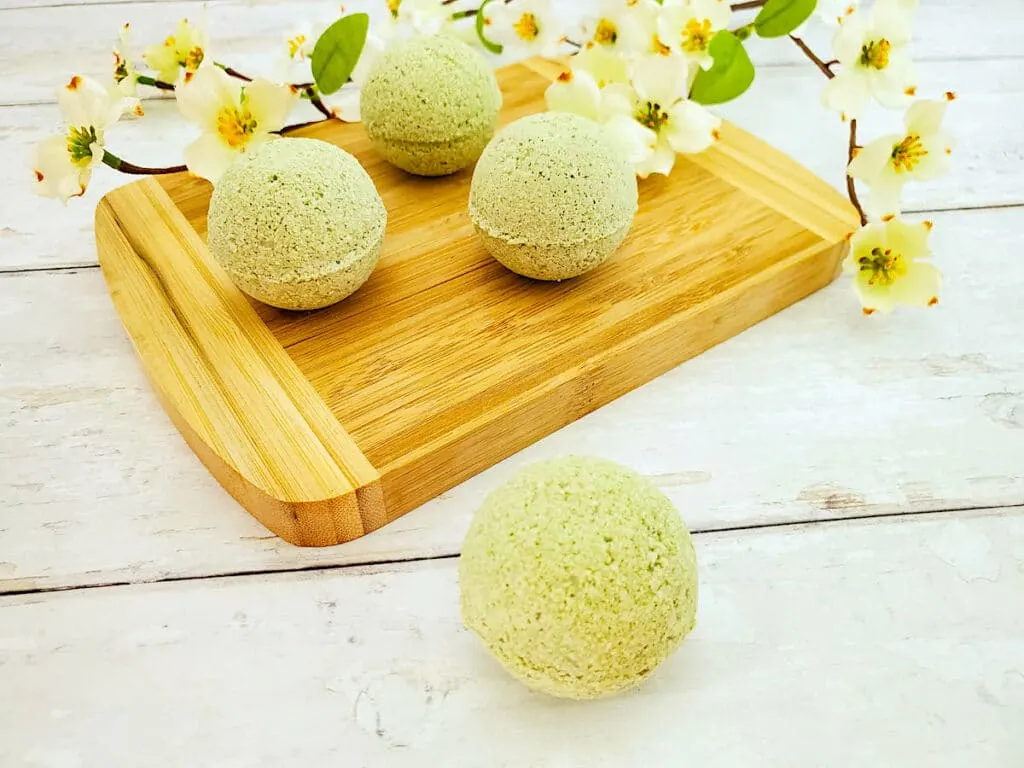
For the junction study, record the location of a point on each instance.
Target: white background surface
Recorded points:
(856, 483)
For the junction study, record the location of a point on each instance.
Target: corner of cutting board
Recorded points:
(178, 367)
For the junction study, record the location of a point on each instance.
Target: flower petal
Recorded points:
(660, 161)
(873, 158)
(884, 199)
(270, 104)
(638, 141)
(344, 104)
(919, 287)
(205, 94)
(660, 79)
(850, 36)
(606, 66)
(925, 116)
(909, 240)
(893, 20)
(575, 92)
(209, 157)
(84, 102)
(847, 92)
(691, 128)
(55, 175)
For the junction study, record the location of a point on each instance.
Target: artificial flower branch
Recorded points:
(852, 147)
(646, 69)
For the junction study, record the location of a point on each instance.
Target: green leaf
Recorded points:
(780, 17)
(337, 51)
(492, 47)
(730, 75)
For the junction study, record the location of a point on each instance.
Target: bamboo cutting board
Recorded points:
(326, 425)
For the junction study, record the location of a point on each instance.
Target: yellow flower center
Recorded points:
(236, 126)
(907, 153)
(527, 28)
(659, 47)
(393, 7)
(651, 115)
(696, 36)
(875, 54)
(192, 59)
(606, 32)
(79, 144)
(885, 266)
(295, 45)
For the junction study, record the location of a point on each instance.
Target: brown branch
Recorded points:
(851, 151)
(825, 67)
(851, 189)
(234, 73)
(124, 166)
(297, 126)
(317, 102)
(748, 4)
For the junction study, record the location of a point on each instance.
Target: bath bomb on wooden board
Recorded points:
(579, 576)
(296, 223)
(553, 196)
(430, 105)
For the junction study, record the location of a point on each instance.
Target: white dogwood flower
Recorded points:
(523, 26)
(577, 91)
(656, 99)
(124, 84)
(63, 164)
(184, 50)
(605, 26)
(638, 28)
(687, 27)
(874, 61)
(922, 152)
(234, 116)
(886, 263)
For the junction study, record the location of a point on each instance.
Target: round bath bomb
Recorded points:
(430, 105)
(579, 576)
(552, 196)
(296, 223)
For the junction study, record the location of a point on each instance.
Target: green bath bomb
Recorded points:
(553, 196)
(430, 105)
(296, 223)
(579, 576)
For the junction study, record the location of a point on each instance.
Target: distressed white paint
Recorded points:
(851, 644)
(815, 413)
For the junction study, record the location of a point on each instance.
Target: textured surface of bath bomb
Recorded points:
(430, 105)
(553, 196)
(579, 576)
(296, 223)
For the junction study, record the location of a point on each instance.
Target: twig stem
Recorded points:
(115, 162)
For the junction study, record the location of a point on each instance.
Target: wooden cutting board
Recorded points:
(326, 425)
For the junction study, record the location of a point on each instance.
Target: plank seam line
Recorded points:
(830, 521)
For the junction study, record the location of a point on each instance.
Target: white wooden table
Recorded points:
(856, 485)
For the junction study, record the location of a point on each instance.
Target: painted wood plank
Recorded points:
(31, 65)
(37, 233)
(815, 413)
(891, 642)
